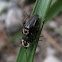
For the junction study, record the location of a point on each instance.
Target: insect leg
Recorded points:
(43, 22)
(41, 36)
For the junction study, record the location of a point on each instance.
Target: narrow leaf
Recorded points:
(54, 9)
(27, 55)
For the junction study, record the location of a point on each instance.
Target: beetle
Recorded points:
(30, 29)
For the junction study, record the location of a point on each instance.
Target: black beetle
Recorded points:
(30, 29)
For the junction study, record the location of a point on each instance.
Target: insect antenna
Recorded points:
(27, 16)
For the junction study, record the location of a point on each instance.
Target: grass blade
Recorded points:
(27, 55)
(54, 9)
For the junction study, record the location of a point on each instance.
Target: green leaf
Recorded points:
(40, 8)
(54, 9)
(14, 37)
(27, 55)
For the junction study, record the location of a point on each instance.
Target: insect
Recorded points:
(30, 30)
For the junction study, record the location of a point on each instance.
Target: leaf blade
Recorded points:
(54, 10)
(28, 54)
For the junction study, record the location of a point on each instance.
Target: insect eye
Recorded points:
(25, 31)
(25, 44)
